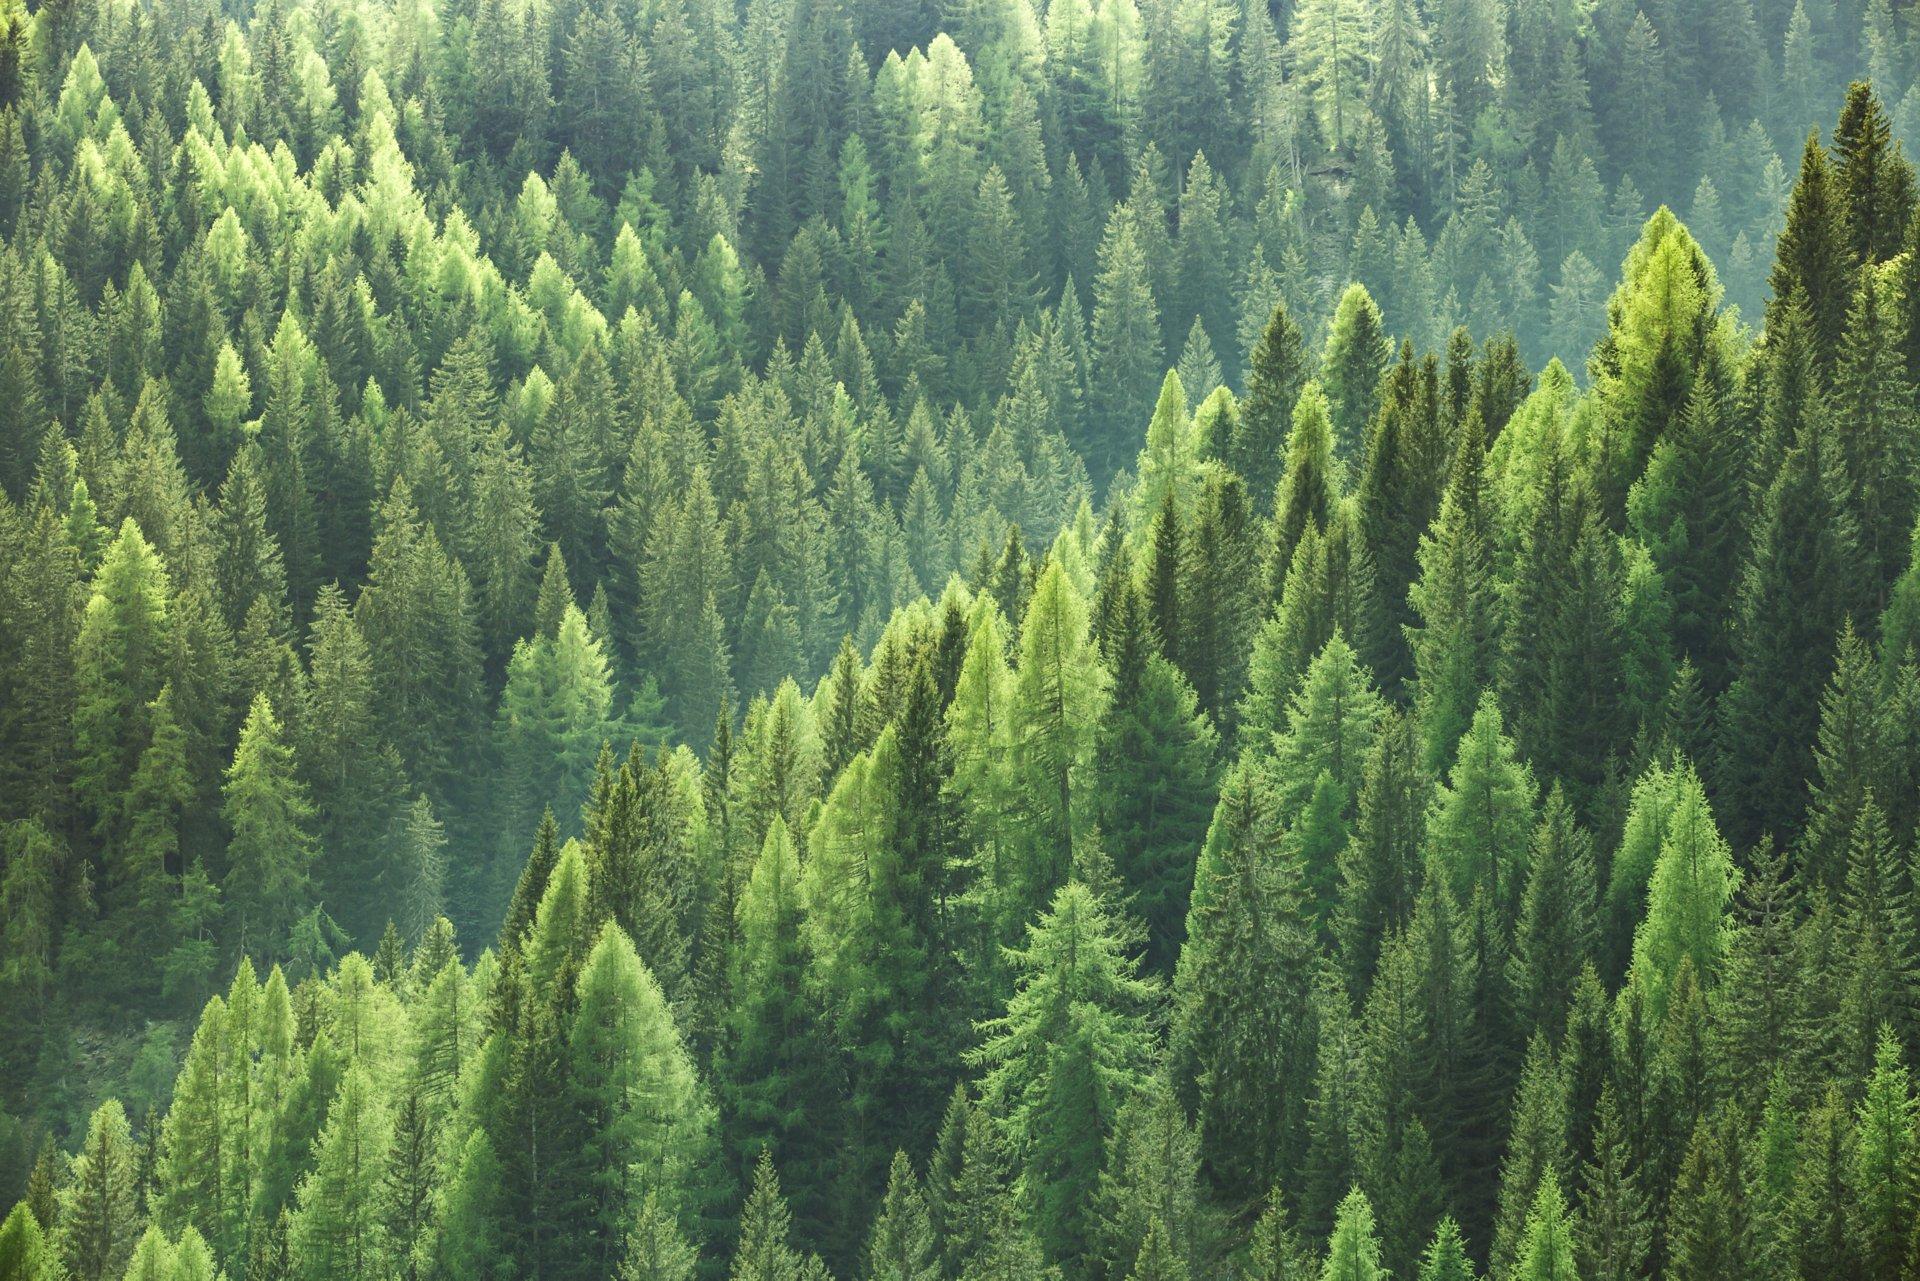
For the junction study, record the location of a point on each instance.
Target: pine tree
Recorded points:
(1547, 1254)
(1153, 767)
(1356, 356)
(1380, 868)
(1874, 181)
(1482, 819)
(773, 1080)
(1152, 1187)
(120, 660)
(655, 1250)
(269, 858)
(1308, 487)
(1814, 263)
(555, 712)
(1534, 1162)
(1873, 396)
(648, 1127)
(350, 772)
(682, 580)
(1612, 1234)
(25, 1254)
(1126, 342)
(142, 871)
(1710, 1230)
(1883, 1166)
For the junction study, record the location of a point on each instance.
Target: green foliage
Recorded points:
(1445, 581)
(1062, 1061)
(1693, 883)
(270, 855)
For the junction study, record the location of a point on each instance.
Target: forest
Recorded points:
(959, 640)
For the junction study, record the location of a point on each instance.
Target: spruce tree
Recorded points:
(655, 1250)
(647, 1122)
(1276, 372)
(902, 1245)
(1874, 181)
(270, 856)
(1153, 767)
(1558, 924)
(1353, 1253)
(1241, 992)
(1693, 883)
(338, 1228)
(1063, 1059)
(1482, 818)
(1454, 641)
(99, 1218)
(1547, 1254)
(1380, 868)
(1308, 486)
(1356, 357)
(764, 1253)
(1059, 695)
(1814, 260)
(120, 659)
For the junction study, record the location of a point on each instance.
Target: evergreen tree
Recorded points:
(647, 1125)
(1059, 695)
(1612, 1233)
(1126, 340)
(763, 1253)
(1693, 883)
(1454, 641)
(1247, 917)
(1874, 181)
(120, 659)
(1059, 1065)
(337, 1229)
(1882, 1166)
(1153, 766)
(270, 856)
(1276, 373)
(655, 1250)
(1814, 261)
(902, 1245)
(99, 1216)
(1446, 1255)
(1547, 1253)
(1380, 868)
(1353, 1253)
(1356, 357)
(1557, 928)
(773, 1079)
(1481, 821)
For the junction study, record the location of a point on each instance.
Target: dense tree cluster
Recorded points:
(646, 639)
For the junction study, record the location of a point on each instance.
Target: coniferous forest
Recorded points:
(1006, 640)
